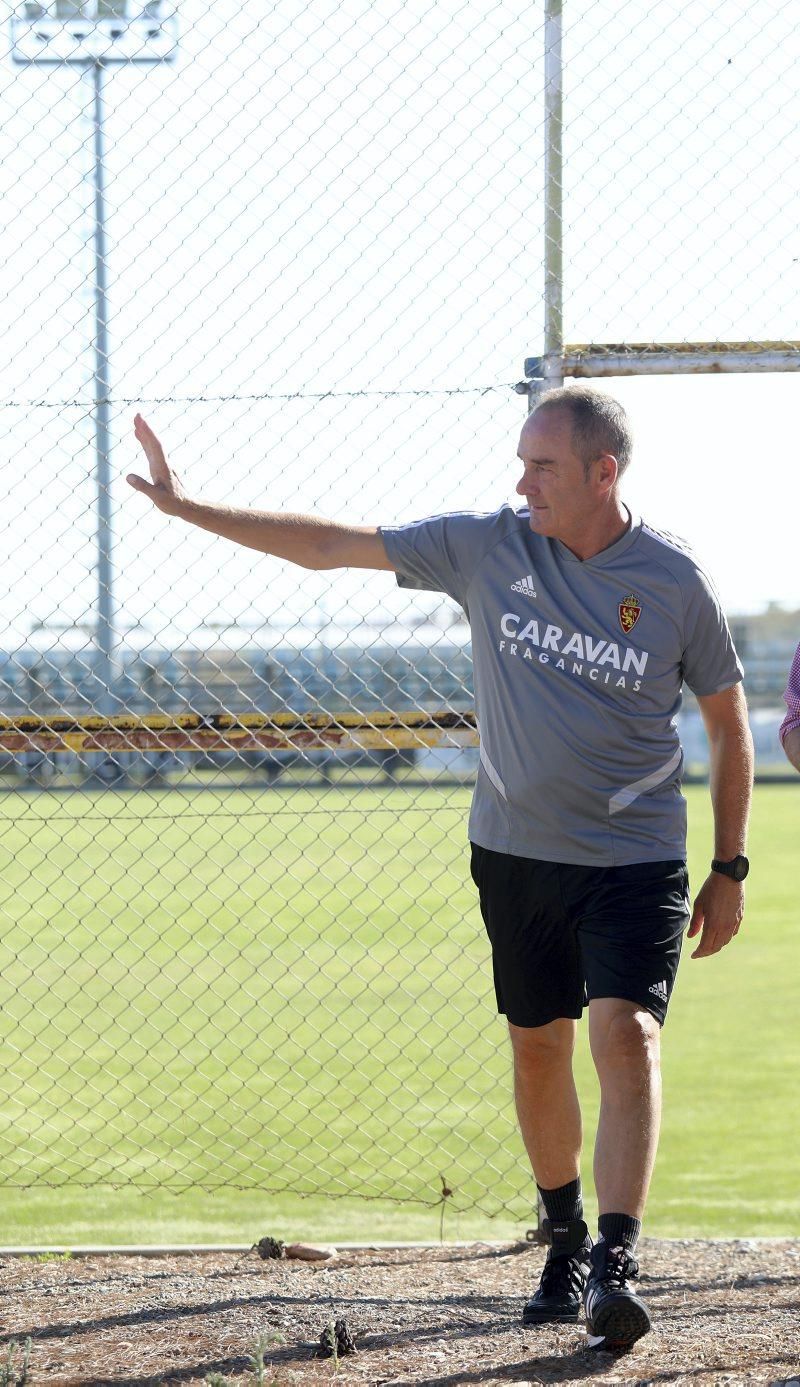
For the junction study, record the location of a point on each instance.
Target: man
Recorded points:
(585, 623)
(789, 731)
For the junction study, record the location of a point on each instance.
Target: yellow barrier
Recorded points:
(243, 732)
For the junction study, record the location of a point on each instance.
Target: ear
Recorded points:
(606, 471)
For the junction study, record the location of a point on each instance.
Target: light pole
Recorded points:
(94, 35)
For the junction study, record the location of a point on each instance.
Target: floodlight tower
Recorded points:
(93, 35)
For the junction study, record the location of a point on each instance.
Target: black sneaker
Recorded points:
(558, 1298)
(615, 1316)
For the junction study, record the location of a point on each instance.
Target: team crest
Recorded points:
(629, 612)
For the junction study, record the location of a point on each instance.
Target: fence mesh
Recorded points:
(305, 241)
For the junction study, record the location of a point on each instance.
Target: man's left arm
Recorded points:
(789, 731)
(791, 746)
(719, 905)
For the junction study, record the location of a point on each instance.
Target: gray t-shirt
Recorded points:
(578, 674)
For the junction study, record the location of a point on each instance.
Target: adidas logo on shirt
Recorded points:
(525, 585)
(660, 990)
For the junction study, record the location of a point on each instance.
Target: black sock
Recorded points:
(564, 1203)
(619, 1230)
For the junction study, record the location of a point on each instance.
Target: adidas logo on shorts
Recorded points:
(659, 989)
(525, 585)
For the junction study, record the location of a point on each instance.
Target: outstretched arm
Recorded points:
(719, 906)
(307, 540)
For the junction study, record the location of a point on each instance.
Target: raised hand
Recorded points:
(164, 490)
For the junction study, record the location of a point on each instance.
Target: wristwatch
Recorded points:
(737, 868)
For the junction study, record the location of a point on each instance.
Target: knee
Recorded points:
(629, 1039)
(537, 1048)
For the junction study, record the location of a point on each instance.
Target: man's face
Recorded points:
(554, 484)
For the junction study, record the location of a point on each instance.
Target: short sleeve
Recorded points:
(710, 663)
(442, 553)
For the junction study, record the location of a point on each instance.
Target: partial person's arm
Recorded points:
(789, 732)
(791, 745)
(719, 905)
(307, 540)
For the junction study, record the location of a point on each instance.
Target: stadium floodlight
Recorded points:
(94, 31)
(93, 35)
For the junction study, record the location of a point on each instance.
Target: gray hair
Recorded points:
(599, 423)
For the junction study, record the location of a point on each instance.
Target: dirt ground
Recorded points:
(724, 1312)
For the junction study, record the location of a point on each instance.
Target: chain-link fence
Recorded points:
(306, 241)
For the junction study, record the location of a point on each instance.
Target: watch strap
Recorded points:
(737, 868)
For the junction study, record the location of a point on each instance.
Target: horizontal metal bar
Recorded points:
(670, 358)
(201, 1249)
(110, 1250)
(250, 732)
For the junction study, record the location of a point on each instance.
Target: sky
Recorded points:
(325, 272)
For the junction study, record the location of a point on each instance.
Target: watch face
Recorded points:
(741, 867)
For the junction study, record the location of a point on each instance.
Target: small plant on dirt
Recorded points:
(257, 1361)
(51, 1257)
(330, 1338)
(213, 1380)
(9, 1376)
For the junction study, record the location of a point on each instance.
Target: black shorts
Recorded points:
(562, 935)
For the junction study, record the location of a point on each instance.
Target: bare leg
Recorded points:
(547, 1103)
(625, 1041)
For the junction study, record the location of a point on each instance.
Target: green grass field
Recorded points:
(226, 1003)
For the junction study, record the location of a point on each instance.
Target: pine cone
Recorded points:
(336, 1341)
(268, 1248)
(344, 1338)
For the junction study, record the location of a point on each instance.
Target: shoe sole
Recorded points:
(618, 1326)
